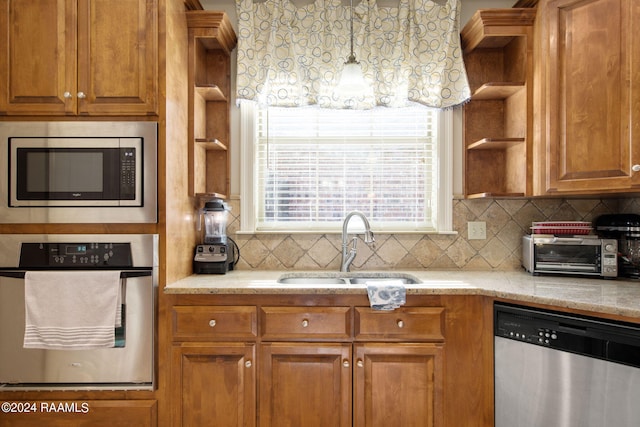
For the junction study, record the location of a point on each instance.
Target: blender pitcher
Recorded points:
(216, 215)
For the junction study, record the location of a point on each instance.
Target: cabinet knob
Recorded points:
(81, 95)
(635, 168)
(305, 323)
(400, 323)
(212, 322)
(248, 364)
(67, 95)
(360, 363)
(346, 363)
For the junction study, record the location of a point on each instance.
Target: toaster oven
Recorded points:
(575, 255)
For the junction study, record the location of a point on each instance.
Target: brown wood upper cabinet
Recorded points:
(588, 87)
(78, 57)
(498, 52)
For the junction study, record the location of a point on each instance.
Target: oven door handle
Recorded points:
(124, 274)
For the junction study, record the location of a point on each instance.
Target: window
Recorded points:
(306, 168)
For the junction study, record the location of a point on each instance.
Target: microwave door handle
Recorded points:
(568, 240)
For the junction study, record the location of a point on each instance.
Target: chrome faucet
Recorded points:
(349, 255)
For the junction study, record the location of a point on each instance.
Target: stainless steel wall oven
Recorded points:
(129, 363)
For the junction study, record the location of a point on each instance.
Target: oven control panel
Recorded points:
(75, 255)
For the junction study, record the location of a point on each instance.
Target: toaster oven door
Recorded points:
(567, 258)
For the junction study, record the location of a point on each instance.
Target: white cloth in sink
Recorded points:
(386, 294)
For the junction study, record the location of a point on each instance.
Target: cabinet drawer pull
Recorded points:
(212, 322)
(305, 323)
(360, 363)
(346, 363)
(400, 323)
(248, 363)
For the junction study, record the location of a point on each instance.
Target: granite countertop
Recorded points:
(617, 297)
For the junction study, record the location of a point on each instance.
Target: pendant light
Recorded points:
(352, 81)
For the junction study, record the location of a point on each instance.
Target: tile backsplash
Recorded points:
(506, 221)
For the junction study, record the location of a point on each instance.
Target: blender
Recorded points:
(216, 254)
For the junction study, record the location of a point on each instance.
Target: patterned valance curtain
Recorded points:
(293, 56)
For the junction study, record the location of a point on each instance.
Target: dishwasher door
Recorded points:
(555, 369)
(543, 387)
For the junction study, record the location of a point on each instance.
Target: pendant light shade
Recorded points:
(352, 81)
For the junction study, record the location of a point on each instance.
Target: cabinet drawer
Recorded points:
(306, 323)
(406, 323)
(214, 322)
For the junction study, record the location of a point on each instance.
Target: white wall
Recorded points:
(468, 9)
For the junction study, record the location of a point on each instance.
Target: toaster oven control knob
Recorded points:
(635, 168)
(610, 248)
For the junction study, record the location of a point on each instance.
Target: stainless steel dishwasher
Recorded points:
(556, 369)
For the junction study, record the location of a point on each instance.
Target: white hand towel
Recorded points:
(68, 310)
(386, 294)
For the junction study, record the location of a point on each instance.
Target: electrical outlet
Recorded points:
(476, 230)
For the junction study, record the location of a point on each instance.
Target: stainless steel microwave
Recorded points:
(79, 172)
(575, 255)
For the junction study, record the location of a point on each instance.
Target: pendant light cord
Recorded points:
(352, 57)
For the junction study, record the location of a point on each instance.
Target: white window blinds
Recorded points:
(312, 166)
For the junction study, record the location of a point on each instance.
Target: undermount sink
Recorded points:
(339, 278)
(312, 280)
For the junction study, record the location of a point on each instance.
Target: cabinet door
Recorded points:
(37, 57)
(117, 57)
(305, 385)
(592, 97)
(398, 385)
(214, 384)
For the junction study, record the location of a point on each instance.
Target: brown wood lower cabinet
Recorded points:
(398, 385)
(305, 384)
(329, 362)
(78, 412)
(216, 384)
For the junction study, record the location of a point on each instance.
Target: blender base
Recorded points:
(210, 267)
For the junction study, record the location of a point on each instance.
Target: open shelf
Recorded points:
(204, 196)
(495, 143)
(496, 90)
(494, 195)
(211, 40)
(210, 92)
(210, 144)
(497, 121)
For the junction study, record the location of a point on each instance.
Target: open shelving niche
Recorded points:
(498, 120)
(211, 40)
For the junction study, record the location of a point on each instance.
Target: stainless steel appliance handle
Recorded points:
(124, 274)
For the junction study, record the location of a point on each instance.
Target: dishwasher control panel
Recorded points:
(589, 336)
(522, 330)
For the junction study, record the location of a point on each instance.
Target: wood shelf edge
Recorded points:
(496, 90)
(210, 196)
(211, 144)
(495, 143)
(492, 194)
(210, 92)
